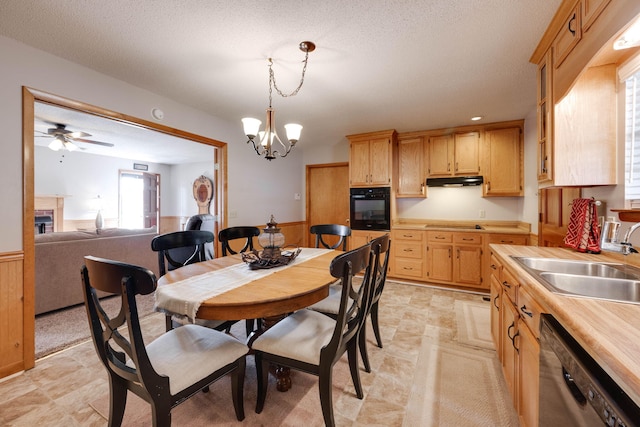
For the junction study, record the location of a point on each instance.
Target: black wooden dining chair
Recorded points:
(331, 305)
(239, 233)
(166, 371)
(182, 248)
(236, 233)
(322, 231)
(312, 342)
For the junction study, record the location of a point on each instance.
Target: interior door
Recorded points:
(150, 199)
(327, 196)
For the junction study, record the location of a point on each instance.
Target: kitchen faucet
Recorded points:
(627, 248)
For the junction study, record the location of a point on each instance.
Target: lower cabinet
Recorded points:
(362, 237)
(407, 254)
(455, 257)
(515, 323)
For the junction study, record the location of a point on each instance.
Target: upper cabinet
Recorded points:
(455, 154)
(370, 159)
(411, 160)
(576, 93)
(503, 158)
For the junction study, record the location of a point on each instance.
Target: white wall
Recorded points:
(251, 178)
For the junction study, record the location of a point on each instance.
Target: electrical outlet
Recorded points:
(481, 213)
(296, 196)
(233, 214)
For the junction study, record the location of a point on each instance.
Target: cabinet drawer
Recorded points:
(409, 268)
(467, 238)
(529, 311)
(496, 268)
(509, 239)
(440, 237)
(510, 285)
(413, 235)
(408, 250)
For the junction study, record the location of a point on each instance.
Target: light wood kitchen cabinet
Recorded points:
(577, 92)
(467, 264)
(370, 159)
(455, 154)
(503, 159)
(440, 256)
(516, 323)
(554, 207)
(407, 254)
(411, 170)
(455, 258)
(362, 237)
(569, 35)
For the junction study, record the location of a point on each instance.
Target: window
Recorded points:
(632, 140)
(139, 199)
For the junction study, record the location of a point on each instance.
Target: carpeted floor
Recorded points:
(60, 329)
(437, 368)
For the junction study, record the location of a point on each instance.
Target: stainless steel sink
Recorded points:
(603, 280)
(596, 287)
(585, 268)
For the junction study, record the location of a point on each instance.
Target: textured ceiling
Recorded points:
(402, 64)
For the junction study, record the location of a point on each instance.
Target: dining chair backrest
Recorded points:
(384, 242)
(153, 371)
(354, 304)
(180, 248)
(113, 348)
(203, 222)
(235, 233)
(323, 230)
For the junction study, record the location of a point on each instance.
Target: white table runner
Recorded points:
(185, 296)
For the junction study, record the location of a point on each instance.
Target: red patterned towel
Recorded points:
(583, 233)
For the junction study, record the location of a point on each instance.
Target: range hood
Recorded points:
(454, 181)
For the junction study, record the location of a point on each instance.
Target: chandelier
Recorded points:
(268, 142)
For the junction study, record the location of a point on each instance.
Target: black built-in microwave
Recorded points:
(370, 208)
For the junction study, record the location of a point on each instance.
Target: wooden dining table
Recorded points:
(258, 294)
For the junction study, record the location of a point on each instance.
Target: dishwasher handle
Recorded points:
(573, 388)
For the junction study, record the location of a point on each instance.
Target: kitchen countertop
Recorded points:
(507, 227)
(609, 331)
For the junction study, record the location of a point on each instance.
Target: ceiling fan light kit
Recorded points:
(267, 138)
(63, 139)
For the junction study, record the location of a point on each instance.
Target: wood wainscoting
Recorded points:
(16, 329)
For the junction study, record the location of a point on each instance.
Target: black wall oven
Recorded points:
(370, 208)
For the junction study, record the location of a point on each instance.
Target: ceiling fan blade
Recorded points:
(43, 133)
(78, 134)
(89, 141)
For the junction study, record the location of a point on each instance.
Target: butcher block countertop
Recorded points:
(609, 331)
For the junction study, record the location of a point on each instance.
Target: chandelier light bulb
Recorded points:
(293, 132)
(251, 126)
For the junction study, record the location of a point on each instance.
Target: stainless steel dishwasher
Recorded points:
(574, 389)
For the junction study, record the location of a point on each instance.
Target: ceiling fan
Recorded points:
(64, 138)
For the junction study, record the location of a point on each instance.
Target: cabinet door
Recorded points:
(529, 383)
(358, 238)
(468, 265)
(496, 320)
(591, 10)
(359, 163)
(509, 342)
(380, 159)
(503, 162)
(545, 120)
(411, 170)
(440, 262)
(440, 155)
(466, 147)
(568, 37)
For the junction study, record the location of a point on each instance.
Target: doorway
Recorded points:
(30, 97)
(327, 196)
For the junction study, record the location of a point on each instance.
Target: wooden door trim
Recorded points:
(29, 97)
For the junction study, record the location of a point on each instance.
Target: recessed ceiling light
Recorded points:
(476, 118)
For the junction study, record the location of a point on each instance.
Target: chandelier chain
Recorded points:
(272, 79)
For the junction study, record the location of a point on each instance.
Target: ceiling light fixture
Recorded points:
(268, 137)
(61, 142)
(476, 118)
(630, 37)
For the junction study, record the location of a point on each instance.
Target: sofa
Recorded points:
(60, 256)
